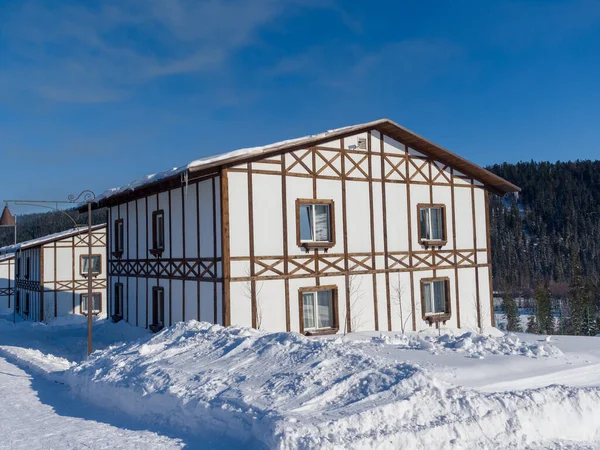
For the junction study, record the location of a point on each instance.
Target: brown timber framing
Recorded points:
(348, 324)
(477, 294)
(385, 233)
(372, 226)
(453, 205)
(277, 167)
(285, 243)
(251, 248)
(225, 249)
(489, 255)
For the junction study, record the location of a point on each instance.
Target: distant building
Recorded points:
(51, 274)
(7, 283)
(368, 227)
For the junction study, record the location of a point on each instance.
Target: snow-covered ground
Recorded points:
(242, 388)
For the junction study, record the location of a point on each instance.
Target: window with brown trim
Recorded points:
(26, 309)
(118, 302)
(119, 238)
(435, 299)
(318, 310)
(96, 265)
(96, 303)
(432, 224)
(27, 268)
(158, 233)
(158, 309)
(315, 224)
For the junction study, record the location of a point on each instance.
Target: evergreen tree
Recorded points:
(532, 325)
(543, 306)
(579, 300)
(511, 313)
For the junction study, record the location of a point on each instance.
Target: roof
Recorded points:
(491, 181)
(7, 257)
(47, 239)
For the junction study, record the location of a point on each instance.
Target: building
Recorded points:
(51, 274)
(368, 227)
(7, 283)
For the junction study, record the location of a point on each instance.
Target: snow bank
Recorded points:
(473, 345)
(287, 391)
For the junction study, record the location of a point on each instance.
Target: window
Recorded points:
(26, 309)
(118, 301)
(158, 309)
(435, 295)
(18, 300)
(18, 268)
(96, 265)
(158, 232)
(27, 268)
(318, 309)
(432, 224)
(315, 224)
(118, 238)
(96, 303)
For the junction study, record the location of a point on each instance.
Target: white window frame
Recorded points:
(94, 311)
(434, 312)
(315, 318)
(81, 265)
(429, 229)
(328, 205)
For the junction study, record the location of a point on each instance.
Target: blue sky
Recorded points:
(94, 94)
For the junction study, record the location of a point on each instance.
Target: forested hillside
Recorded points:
(31, 226)
(538, 234)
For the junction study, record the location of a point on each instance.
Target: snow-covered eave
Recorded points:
(12, 249)
(213, 164)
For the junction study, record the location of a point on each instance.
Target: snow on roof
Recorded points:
(211, 160)
(11, 249)
(7, 257)
(388, 127)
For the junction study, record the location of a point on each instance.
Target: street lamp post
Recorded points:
(88, 197)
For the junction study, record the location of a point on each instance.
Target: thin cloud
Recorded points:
(92, 53)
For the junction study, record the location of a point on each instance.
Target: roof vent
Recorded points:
(362, 143)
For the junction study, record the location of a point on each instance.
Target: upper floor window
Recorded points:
(118, 238)
(158, 232)
(315, 223)
(96, 265)
(318, 309)
(435, 299)
(28, 267)
(18, 268)
(96, 303)
(432, 224)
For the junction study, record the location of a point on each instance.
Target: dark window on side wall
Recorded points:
(119, 238)
(158, 232)
(118, 300)
(26, 309)
(18, 300)
(158, 309)
(27, 268)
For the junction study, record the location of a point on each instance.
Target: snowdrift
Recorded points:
(286, 391)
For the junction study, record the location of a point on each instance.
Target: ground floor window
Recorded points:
(435, 298)
(17, 300)
(96, 303)
(118, 301)
(318, 309)
(158, 309)
(26, 309)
